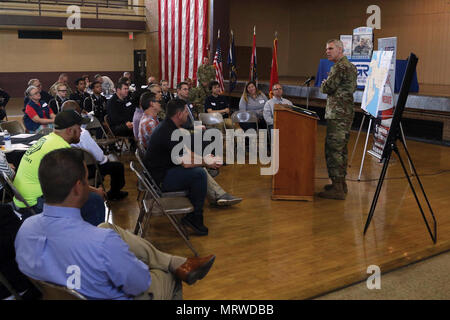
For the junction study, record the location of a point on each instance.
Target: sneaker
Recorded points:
(196, 224)
(116, 196)
(228, 200)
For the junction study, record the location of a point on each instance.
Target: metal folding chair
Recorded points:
(52, 291)
(244, 117)
(13, 192)
(106, 143)
(45, 131)
(171, 207)
(121, 141)
(214, 120)
(13, 127)
(9, 287)
(97, 180)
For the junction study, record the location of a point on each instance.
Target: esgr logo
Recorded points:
(363, 69)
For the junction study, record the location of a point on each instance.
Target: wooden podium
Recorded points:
(296, 155)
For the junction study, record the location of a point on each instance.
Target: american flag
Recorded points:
(182, 38)
(218, 65)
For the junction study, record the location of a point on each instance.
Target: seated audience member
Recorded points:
(156, 89)
(197, 97)
(184, 176)
(4, 98)
(96, 102)
(6, 168)
(183, 94)
(190, 83)
(61, 96)
(62, 79)
(277, 99)
(131, 85)
(253, 100)
(9, 226)
(44, 94)
(114, 168)
(107, 85)
(37, 112)
(218, 103)
(67, 130)
(166, 94)
(87, 83)
(149, 121)
(150, 103)
(120, 112)
(151, 80)
(80, 93)
(114, 263)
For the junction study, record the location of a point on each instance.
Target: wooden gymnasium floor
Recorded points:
(295, 250)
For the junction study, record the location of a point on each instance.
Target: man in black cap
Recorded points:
(66, 131)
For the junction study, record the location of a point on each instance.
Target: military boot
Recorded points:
(336, 191)
(329, 186)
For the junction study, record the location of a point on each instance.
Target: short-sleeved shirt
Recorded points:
(27, 180)
(146, 127)
(31, 113)
(216, 103)
(158, 158)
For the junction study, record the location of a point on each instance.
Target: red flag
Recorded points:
(253, 74)
(274, 69)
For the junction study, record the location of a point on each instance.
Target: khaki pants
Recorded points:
(164, 285)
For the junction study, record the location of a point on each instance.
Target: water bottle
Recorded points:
(7, 139)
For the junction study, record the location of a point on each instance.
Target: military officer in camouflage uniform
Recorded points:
(339, 86)
(197, 97)
(206, 72)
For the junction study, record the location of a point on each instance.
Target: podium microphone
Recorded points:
(309, 80)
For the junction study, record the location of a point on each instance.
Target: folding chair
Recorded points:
(140, 156)
(13, 192)
(9, 287)
(52, 291)
(121, 141)
(13, 127)
(97, 180)
(171, 207)
(214, 120)
(244, 117)
(106, 143)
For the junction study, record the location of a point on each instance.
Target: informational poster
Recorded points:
(347, 41)
(386, 109)
(372, 98)
(362, 43)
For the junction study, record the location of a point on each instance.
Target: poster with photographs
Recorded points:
(347, 41)
(362, 45)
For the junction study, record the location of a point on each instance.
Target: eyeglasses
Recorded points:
(33, 94)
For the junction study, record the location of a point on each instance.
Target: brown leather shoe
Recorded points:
(194, 268)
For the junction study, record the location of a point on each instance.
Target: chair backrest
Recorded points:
(244, 116)
(9, 287)
(94, 124)
(140, 156)
(108, 131)
(7, 183)
(90, 161)
(52, 291)
(211, 118)
(13, 127)
(139, 171)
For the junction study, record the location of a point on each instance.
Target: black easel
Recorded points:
(391, 145)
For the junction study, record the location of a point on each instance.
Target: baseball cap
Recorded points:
(68, 118)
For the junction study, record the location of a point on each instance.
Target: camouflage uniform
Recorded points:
(339, 86)
(197, 97)
(206, 73)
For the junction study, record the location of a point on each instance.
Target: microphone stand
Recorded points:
(307, 95)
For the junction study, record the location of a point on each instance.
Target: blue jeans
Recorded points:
(93, 210)
(191, 179)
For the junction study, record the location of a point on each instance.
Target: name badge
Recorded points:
(213, 104)
(44, 105)
(261, 101)
(128, 104)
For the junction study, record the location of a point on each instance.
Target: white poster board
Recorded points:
(362, 43)
(347, 41)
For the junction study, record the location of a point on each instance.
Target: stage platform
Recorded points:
(297, 250)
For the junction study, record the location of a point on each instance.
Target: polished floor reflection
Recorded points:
(294, 250)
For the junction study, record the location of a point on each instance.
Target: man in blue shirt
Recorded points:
(104, 262)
